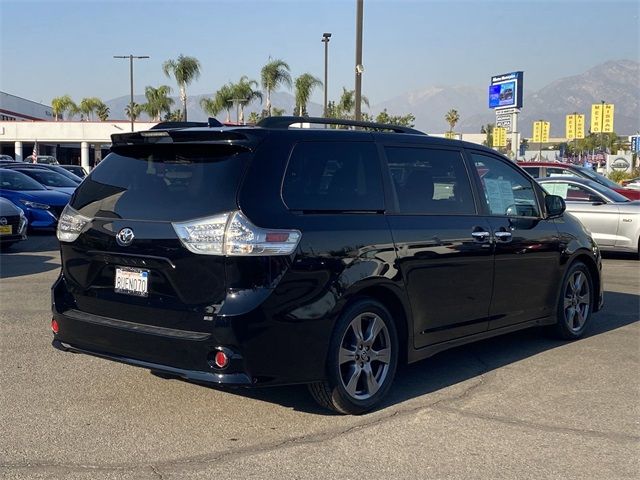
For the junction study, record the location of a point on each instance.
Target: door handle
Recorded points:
(503, 236)
(481, 237)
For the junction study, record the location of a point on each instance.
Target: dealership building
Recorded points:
(26, 126)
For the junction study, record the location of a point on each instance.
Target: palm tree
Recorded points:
(348, 102)
(61, 105)
(133, 111)
(274, 74)
(305, 84)
(184, 69)
(222, 100)
(158, 101)
(452, 117)
(89, 105)
(244, 90)
(102, 112)
(488, 131)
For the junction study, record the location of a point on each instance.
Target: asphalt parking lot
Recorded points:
(520, 406)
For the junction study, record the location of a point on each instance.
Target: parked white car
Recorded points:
(614, 220)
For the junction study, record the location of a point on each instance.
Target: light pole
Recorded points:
(359, 67)
(131, 57)
(325, 40)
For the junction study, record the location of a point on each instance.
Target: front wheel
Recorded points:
(576, 302)
(362, 359)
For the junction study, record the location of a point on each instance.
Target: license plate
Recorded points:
(132, 281)
(6, 229)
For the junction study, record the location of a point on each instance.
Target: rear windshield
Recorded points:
(163, 182)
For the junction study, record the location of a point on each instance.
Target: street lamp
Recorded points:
(325, 40)
(131, 57)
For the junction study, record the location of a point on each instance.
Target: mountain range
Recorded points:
(616, 82)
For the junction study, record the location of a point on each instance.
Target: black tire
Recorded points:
(368, 361)
(575, 303)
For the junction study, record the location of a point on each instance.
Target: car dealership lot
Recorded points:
(519, 406)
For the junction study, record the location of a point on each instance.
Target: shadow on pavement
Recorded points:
(462, 363)
(35, 242)
(19, 265)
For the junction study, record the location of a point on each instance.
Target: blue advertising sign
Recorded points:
(505, 90)
(635, 143)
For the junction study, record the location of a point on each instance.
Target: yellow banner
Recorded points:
(499, 137)
(541, 131)
(537, 132)
(607, 120)
(546, 127)
(570, 127)
(596, 118)
(450, 135)
(579, 126)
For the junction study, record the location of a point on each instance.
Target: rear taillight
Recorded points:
(232, 234)
(70, 224)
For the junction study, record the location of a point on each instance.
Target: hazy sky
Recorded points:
(52, 48)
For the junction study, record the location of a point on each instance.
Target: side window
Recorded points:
(506, 190)
(571, 192)
(533, 171)
(555, 171)
(333, 176)
(430, 181)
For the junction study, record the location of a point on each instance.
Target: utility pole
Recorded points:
(359, 67)
(131, 57)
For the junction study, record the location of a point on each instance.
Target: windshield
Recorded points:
(608, 192)
(10, 180)
(598, 178)
(49, 179)
(164, 182)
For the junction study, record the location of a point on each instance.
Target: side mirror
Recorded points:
(555, 205)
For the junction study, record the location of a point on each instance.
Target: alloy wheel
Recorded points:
(364, 356)
(577, 301)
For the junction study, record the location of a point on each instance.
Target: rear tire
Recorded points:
(362, 359)
(575, 303)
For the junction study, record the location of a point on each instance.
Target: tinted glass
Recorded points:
(430, 181)
(163, 182)
(506, 190)
(533, 171)
(333, 176)
(50, 179)
(12, 180)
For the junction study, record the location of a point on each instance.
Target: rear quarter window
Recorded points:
(333, 176)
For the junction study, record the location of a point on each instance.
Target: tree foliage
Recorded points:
(62, 105)
(273, 75)
(184, 70)
(304, 86)
(158, 101)
(452, 117)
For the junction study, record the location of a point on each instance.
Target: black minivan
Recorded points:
(275, 254)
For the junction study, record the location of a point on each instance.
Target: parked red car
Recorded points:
(552, 169)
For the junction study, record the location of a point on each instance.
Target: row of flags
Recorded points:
(34, 154)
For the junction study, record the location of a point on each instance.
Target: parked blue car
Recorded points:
(42, 207)
(50, 180)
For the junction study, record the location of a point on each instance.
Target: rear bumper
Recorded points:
(263, 348)
(191, 375)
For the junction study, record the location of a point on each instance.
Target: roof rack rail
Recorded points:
(286, 122)
(211, 122)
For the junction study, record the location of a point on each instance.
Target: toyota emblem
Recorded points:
(3, 221)
(125, 237)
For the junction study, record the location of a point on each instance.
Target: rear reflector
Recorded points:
(54, 325)
(221, 360)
